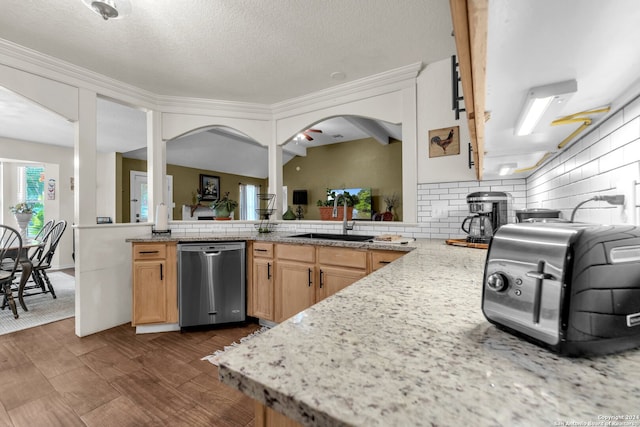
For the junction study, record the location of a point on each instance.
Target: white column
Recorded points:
(156, 163)
(84, 168)
(275, 171)
(409, 155)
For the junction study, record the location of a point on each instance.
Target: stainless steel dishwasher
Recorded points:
(211, 283)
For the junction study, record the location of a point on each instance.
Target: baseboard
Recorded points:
(159, 327)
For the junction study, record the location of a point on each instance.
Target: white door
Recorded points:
(139, 201)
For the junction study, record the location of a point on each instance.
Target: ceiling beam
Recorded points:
(469, 19)
(370, 127)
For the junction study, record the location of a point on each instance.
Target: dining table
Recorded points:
(26, 269)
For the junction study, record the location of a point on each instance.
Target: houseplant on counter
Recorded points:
(23, 213)
(326, 206)
(223, 207)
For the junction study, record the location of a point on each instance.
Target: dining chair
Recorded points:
(41, 261)
(10, 248)
(40, 237)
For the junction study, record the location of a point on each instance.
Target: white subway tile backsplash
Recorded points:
(628, 132)
(612, 160)
(632, 110)
(593, 165)
(611, 124)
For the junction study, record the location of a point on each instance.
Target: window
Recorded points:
(31, 190)
(249, 201)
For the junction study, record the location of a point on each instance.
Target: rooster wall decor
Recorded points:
(444, 142)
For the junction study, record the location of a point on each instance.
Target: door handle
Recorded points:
(161, 272)
(268, 271)
(321, 279)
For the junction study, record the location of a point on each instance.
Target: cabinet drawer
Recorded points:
(300, 253)
(149, 251)
(261, 249)
(381, 258)
(342, 257)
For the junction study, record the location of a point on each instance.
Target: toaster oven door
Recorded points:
(523, 280)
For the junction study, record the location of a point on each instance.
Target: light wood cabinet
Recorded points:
(334, 279)
(267, 417)
(155, 284)
(307, 274)
(339, 268)
(380, 259)
(260, 295)
(295, 279)
(295, 288)
(285, 279)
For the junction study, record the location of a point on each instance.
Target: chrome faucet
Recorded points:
(345, 226)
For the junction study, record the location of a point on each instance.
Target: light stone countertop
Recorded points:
(408, 345)
(283, 237)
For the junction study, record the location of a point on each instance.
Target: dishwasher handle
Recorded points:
(211, 254)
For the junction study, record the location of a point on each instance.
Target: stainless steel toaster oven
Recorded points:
(574, 288)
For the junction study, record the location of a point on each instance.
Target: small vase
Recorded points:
(289, 214)
(23, 220)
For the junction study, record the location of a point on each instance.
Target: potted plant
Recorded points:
(223, 207)
(23, 213)
(326, 206)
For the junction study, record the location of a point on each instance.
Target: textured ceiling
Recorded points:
(238, 50)
(535, 43)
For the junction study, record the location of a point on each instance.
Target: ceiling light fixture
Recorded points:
(543, 100)
(109, 9)
(507, 168)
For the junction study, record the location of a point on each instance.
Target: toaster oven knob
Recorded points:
(497, 281)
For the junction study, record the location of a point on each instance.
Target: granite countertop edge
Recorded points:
(409, 345)
(272, 237)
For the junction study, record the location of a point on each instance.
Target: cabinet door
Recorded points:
(149, 292)
(262, 289)
(381, 258)
(295, 289)
(334, 279)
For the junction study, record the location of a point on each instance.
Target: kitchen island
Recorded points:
(408, 345)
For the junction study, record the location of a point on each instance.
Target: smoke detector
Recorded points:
(109, 9)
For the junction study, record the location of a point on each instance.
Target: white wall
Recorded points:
(594, 165)
(106, 185)
(434, 112)
(58, 163)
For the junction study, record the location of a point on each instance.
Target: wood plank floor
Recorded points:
(51, 377)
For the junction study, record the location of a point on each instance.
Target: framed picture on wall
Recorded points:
(209, 188)
(444, 142)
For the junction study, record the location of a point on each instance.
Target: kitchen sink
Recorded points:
(328, 236)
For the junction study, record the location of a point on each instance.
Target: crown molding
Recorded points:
(186, 105)
(34, 62)
(384, 82)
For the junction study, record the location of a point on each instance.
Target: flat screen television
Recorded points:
(362, 210)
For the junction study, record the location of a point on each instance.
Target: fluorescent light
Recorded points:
(539, 99)
(507, 168)
(535, 110)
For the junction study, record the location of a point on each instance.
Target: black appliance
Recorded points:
(574, 288)
(491, 204)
